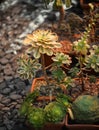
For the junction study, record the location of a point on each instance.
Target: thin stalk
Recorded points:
(81, 72)
(62, 15)
(43, 68)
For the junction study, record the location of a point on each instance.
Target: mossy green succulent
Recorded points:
(55, 112)
(86, 109)
(37, 118)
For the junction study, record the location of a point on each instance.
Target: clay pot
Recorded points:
(69, 125)
(50, 126)
(47, 126)
(40, 80)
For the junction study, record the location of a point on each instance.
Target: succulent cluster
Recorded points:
(52, 112)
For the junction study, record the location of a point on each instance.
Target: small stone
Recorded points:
(1, 96)
(6, 91)
(5, 109)
(2, 53)
(15, 96)
(11, 86)
(20, 85)
(6, 101)
(1, 68)
(1, 79)
(1, 106)
(8, 71)
(2, 85)
(8, 77)
(7, 66)
(18, 106)
(4, 61)
(12, 107)
(8, 56)
(3, 128)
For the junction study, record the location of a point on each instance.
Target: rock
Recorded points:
(7, 66)
(1, 96)
(8, 56)
(2, 53)
(4, 61)
(8, 72)
(3, 128)
(6, 109)
(18, 106)
(6, 101)
(3, 85)
(15, 96)
(1, 68)
(1, 79)
(1, 106)
(8, 77)
(11, 86)
(6, 91)
(20, 85)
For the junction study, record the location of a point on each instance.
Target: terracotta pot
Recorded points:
(50, 126)
(40, 80)
(72, 126)
(47, 126)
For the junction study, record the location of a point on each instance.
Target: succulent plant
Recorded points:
(55, 112)
(37, 118)
(81, 46)
(61, 58)
(92, 60)
(28, 66)
(42, 42)
(86, 109)
(26, 108)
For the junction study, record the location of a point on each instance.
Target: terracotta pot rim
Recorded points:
(78, 125)
(42, 98)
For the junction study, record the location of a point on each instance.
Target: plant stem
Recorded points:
(81, 72)
(43, 68)
(62, 15)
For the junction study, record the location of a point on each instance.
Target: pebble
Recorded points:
(6, 91)
(15, 96)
